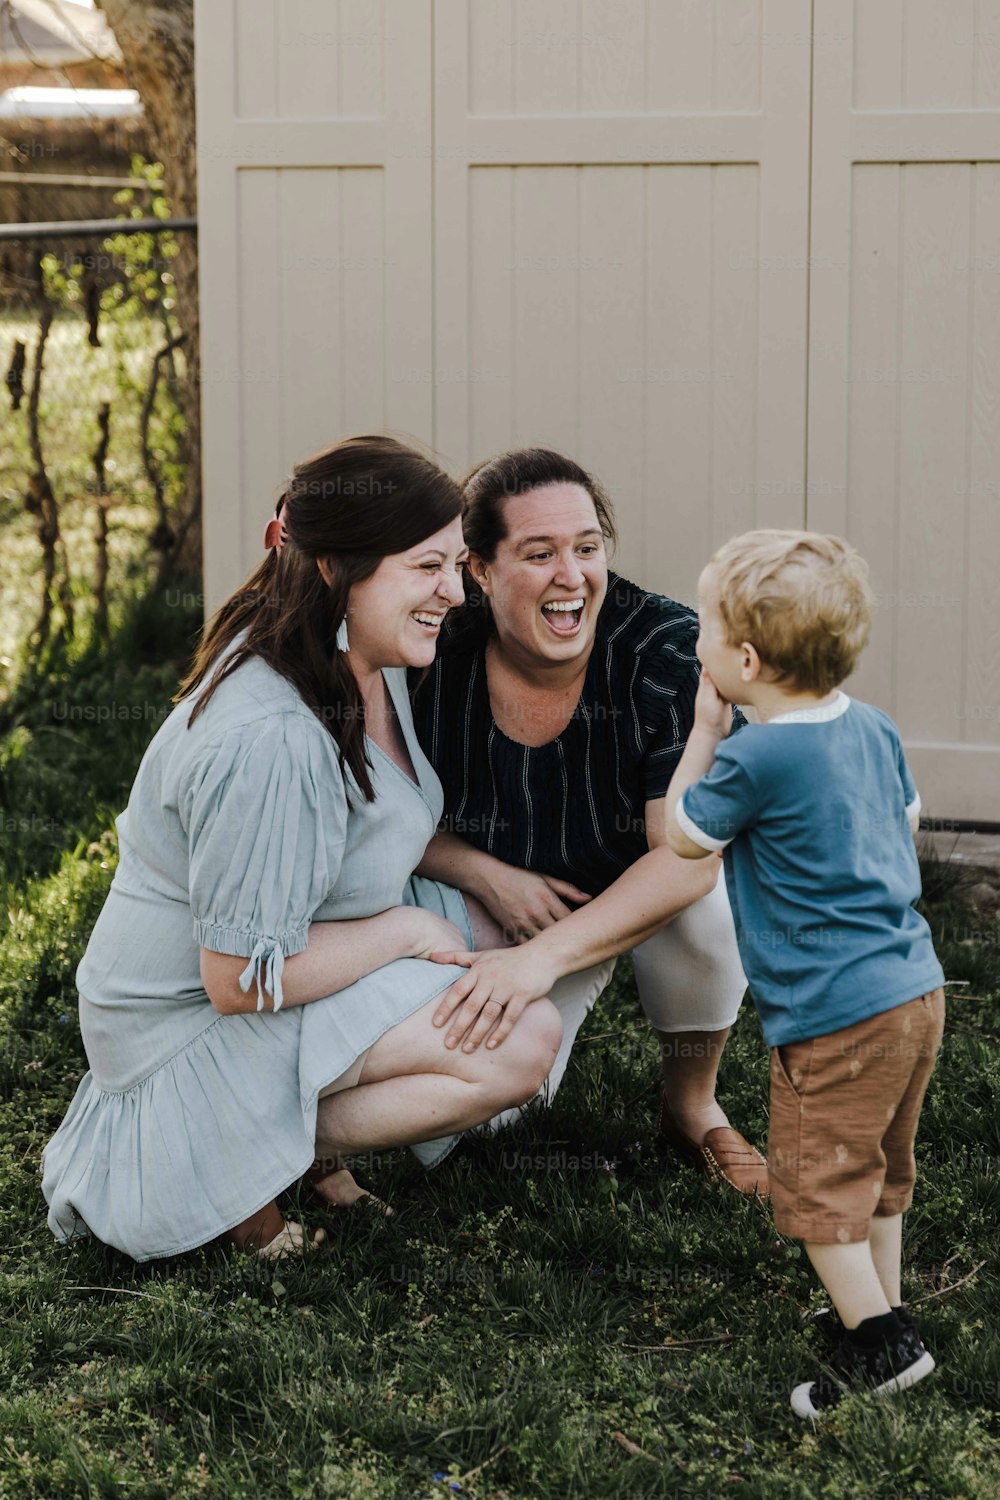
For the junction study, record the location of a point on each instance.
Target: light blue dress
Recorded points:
(236, 836)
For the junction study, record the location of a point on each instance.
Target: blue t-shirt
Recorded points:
(811, 810)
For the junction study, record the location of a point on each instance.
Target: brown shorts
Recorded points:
(844, 1112)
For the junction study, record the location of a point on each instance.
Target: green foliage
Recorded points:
(75, 727)
(554, 1313)
(133, 271)
(130, 275)
(147, 291)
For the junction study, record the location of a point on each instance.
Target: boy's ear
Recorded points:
(750, 662)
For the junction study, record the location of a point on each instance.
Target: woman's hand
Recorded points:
(525, 903)
(711, 711)
(429, 933)
(486, 1002)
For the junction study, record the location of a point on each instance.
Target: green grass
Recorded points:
(74, 727)
(504, 1329)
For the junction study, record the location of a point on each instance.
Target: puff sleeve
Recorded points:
(265, 815)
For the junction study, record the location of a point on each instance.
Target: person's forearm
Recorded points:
(638, 904)
(455, 862)
(697, 760)
(341, 952)
(338, 954)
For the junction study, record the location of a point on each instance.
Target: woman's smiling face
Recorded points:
(549, 577)
(394, 617)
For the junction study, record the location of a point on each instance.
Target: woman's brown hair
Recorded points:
(349, 505)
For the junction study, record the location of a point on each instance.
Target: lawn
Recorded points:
(552, 1313)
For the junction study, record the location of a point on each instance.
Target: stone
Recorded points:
(984, 897)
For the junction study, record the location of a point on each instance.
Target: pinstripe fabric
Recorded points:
(574, 807)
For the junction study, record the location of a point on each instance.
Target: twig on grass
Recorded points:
(633, 1448)
(471, 1473)
(603, 1036)
(118, 1291)
(986, 1036)
(946, 1291)
(124, 1291)
(719, 1338)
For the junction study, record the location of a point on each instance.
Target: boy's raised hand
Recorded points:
(711, 710)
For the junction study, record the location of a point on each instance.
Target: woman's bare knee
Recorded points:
(519, 1066)
(528, 1053)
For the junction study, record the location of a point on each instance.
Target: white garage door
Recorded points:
(747, 271)
(904, 365)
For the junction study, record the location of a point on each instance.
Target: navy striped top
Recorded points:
(573, 808)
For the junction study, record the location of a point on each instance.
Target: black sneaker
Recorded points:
(826, 1320)
(898, 1362)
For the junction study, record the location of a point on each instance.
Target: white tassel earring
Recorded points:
(343, 644)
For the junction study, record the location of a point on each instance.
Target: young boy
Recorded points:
(816, 811)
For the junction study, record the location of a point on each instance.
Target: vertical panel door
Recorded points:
(621, 191)
(314, 146)
(904, 405)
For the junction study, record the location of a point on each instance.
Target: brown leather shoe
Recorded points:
(732, 1159)
(724, 1155)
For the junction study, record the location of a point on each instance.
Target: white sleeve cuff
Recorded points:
(913, 808)
(694, 833)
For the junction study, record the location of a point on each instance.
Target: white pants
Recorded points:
(688, 975)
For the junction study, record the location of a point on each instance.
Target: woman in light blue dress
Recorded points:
(257, 991)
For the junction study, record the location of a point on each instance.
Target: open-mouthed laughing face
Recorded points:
(549, 577)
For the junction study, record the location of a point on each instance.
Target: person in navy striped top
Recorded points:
(555, 712)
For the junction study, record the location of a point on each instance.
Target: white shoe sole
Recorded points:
(802, 1401)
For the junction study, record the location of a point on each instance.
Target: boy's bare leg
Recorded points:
(886, 1240)
(849, 1275)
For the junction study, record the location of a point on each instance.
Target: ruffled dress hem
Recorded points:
(92, 1163)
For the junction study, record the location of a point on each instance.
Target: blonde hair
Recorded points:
(802, 599)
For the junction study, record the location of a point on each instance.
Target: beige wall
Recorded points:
(749, 275)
